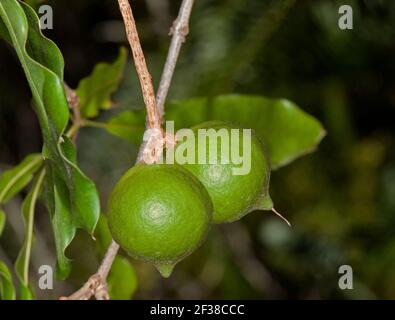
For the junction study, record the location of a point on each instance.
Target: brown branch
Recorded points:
(74, 104)
(179, 30)
(109, 257)
(141, 66)
(71, 96)
(96, 286)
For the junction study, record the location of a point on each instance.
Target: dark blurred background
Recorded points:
(340, 199)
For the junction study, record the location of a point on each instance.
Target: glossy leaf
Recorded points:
(130, 125)
(34, 3)
(57, 201)
(14, 180)
(103, 236)
(127, 125)
(95, 90)
(26, 293)
(287, 131)
(2, 221)
(23, 259)
(189, 112)
(7, 290)
(43, 65)
(122, 279)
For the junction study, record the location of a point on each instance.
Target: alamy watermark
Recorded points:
(346, 17)
(45, 281)
(46, 17)
(210, 146)
(346, 278)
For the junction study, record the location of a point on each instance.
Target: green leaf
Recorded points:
(34, 3)
(26, 293)
(7, 290)
(103, 236)
(57, 201)
(130, 125)
(43, 65)
(189, 112)
(4, 33)
(287, 131)
(127, 125)
(23, 259)
(95, 90)
(14, 180)
(2, 221)
(122, 280)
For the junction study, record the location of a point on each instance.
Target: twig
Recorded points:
(141, 66)
(96, 286)
(74, 104)
(155, 139)
(109, 257)
(71, 97)
(179, 30)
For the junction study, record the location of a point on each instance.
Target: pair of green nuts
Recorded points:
(161, 213)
